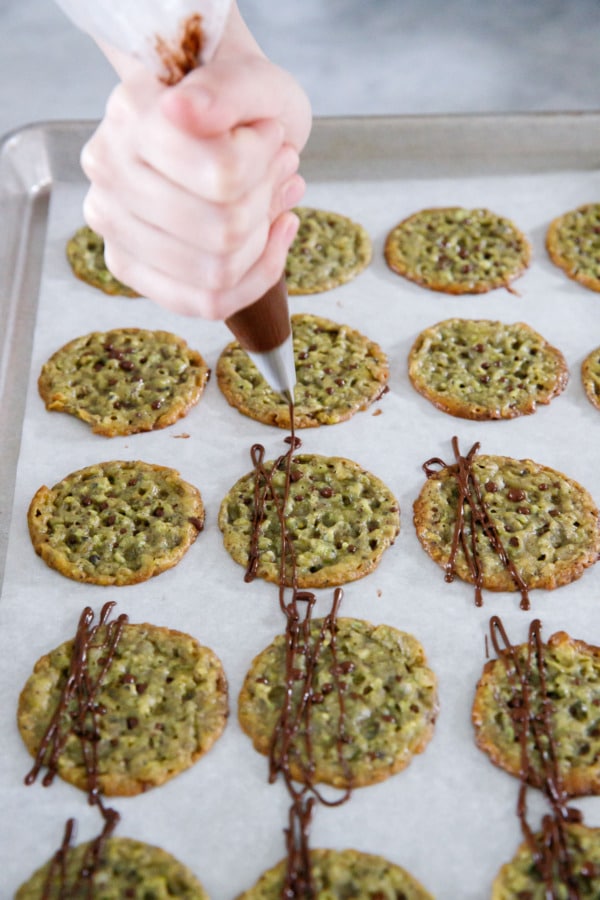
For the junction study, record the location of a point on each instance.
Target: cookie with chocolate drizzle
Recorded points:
(540, 699)
(365, 702)
(564, 674)
(505, 524)
(127, 868)
(339, 518)
(522, 878)
(341, 874)
(122, 708)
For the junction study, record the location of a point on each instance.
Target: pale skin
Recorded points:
(192, 186)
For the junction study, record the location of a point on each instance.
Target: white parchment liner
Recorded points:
(450, 817)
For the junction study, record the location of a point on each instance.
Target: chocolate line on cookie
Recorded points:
(78, 705)
(469, 493)
(550, 854)
(294, 722)
(91, 862)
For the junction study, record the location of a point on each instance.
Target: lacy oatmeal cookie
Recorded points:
(520, 879)
(115, 523)
(124, 381)
(389, 699)
(163, 700)
(85, 252)
(127, 868)
(340, 519)
(480, 369)
(338, 370)
(328, 250)
(573, 244)
(344, 875)
(572, 678)
(547, 523)
(590, 377)
(457, 251)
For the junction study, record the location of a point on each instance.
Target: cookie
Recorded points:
(340, 520)
(590, 377)
(328, 250)
(520, 879)
(344, 875)
(457, 251)
(547, 523)
(127, 868)
(339, 372)
(163, 702)
(85, 252)
(479, 369)
(117, 522)
(573, 244)
(124, 381)
(572, 677)
(389, 702)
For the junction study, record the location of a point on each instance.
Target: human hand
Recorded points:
(192, 185)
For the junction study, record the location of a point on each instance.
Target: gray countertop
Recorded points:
(351, 56)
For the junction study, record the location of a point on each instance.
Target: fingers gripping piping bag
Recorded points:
(171, 37)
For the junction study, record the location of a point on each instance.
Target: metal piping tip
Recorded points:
(278, 368)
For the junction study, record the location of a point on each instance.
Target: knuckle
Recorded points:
(91, 212)
(118, 105)
(223, 274)
(210, 305)
(233, 230)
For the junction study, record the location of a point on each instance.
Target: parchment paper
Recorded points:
(449, 818)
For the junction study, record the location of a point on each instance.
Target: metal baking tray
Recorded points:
(450, 817)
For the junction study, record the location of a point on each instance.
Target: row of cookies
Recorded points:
(131, 380)
(449, 249)
(388, 715)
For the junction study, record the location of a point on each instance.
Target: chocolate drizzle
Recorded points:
(469, 495)
(77, 712)
(532, 721)
(304, 647)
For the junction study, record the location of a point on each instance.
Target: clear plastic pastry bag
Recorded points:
(136, 26)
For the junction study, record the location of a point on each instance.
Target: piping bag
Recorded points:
(170, 38)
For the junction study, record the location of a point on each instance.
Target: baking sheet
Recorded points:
(449, 818)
